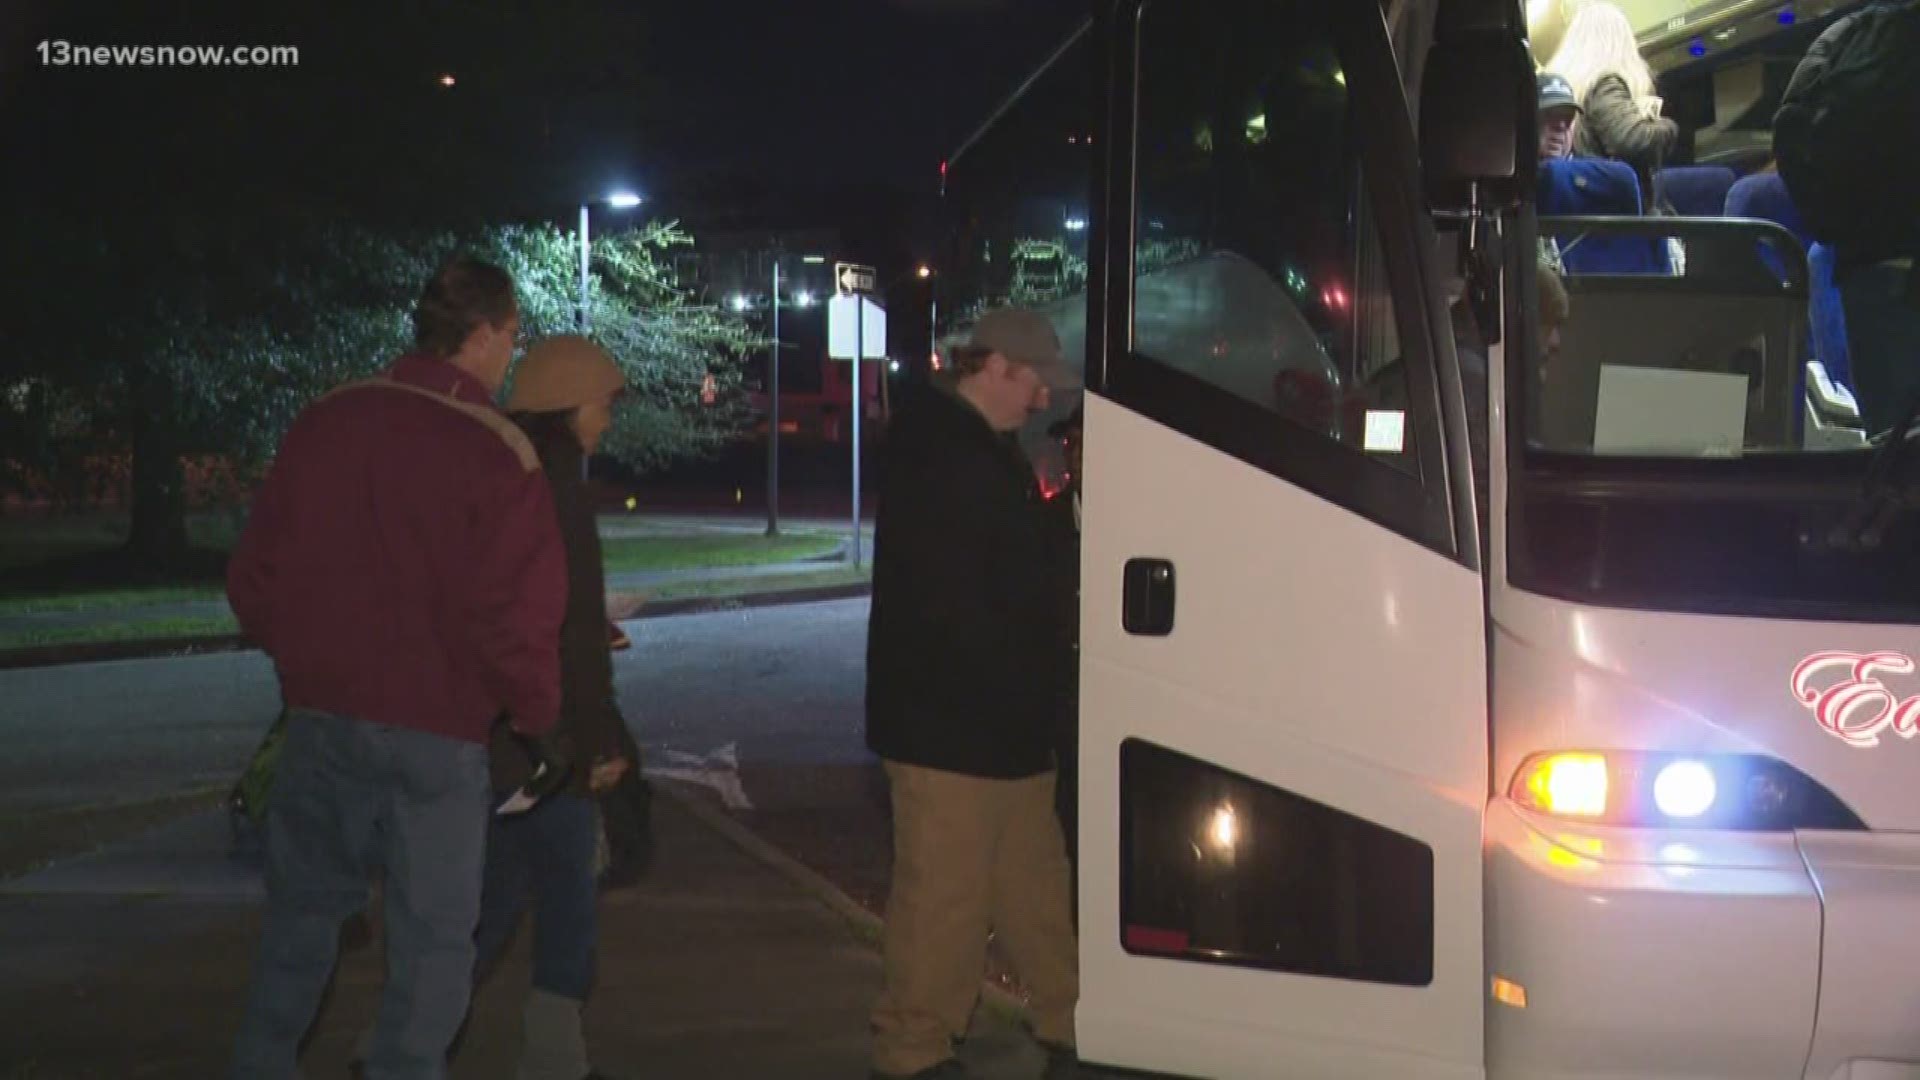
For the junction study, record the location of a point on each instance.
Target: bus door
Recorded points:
(1283, 713)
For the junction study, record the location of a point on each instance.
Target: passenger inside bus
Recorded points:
(1620, 113)
(1559, 111)
(1574, 182)
(1859, 186)
(1723, 76)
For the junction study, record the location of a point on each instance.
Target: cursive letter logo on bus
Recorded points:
(1857, 708)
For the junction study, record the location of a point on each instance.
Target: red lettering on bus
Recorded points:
(1858, 708)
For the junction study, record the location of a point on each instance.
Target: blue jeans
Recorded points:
(351, 798)
(545, 856)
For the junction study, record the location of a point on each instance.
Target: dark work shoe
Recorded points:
(1063, 1062)
(950, 1069)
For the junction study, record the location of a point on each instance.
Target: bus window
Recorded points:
(1016, 206)
(1726, 401)
(1257, 268)
(1223, 869)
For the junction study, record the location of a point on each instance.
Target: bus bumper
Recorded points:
(1656, 953)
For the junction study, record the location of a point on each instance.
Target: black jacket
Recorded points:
(590, 722)
(964, 663)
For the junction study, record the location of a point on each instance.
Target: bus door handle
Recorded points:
(1146, 606)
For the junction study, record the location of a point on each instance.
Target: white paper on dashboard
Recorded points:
(1659, 411)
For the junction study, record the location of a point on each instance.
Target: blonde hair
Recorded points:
(1600, 42)
(1555, 304)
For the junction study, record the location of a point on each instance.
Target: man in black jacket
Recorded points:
(963, 664)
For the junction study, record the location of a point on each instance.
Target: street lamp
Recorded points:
(739, 302)
(805, 299)
(619, 200)
(927, 273)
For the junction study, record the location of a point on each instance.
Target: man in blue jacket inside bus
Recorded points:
(963, 659)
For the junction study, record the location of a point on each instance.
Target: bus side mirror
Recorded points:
(1478, 137)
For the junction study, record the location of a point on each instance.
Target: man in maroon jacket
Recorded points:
(402, 567)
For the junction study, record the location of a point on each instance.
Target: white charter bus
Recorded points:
(1462, 694)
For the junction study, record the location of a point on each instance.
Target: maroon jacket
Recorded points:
(402, 562)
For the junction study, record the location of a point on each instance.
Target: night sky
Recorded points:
(785, 102)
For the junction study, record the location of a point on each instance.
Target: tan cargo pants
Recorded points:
(970, 856)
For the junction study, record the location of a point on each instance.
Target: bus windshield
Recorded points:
(1709, 320)
(1680, 337)
(1709, 380)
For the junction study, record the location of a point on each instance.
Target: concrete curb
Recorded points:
(145, 649)
(868, 925)
(700, 605)
(156, 648)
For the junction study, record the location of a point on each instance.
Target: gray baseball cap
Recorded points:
(1025, 336)
(1556, 92)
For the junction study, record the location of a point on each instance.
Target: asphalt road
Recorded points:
(764, 709)
(126, 731)
(759, 708)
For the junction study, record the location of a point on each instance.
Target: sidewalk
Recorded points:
(131, 963)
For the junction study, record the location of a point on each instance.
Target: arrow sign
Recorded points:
(853, 278)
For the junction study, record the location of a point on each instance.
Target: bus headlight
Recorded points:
(1570, 785)
(1684, 789)
(1640, 788)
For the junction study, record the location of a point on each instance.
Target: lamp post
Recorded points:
(773, 410)
(619, 200)
(805, 300)
(922, 272)
(933, 311)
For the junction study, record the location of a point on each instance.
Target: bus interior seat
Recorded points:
(1826, 316)
(1765, 196)
(1598, 187)
(1693, 190)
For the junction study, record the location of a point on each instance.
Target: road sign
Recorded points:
(856, 324)
(851, 278)
(856, 330)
